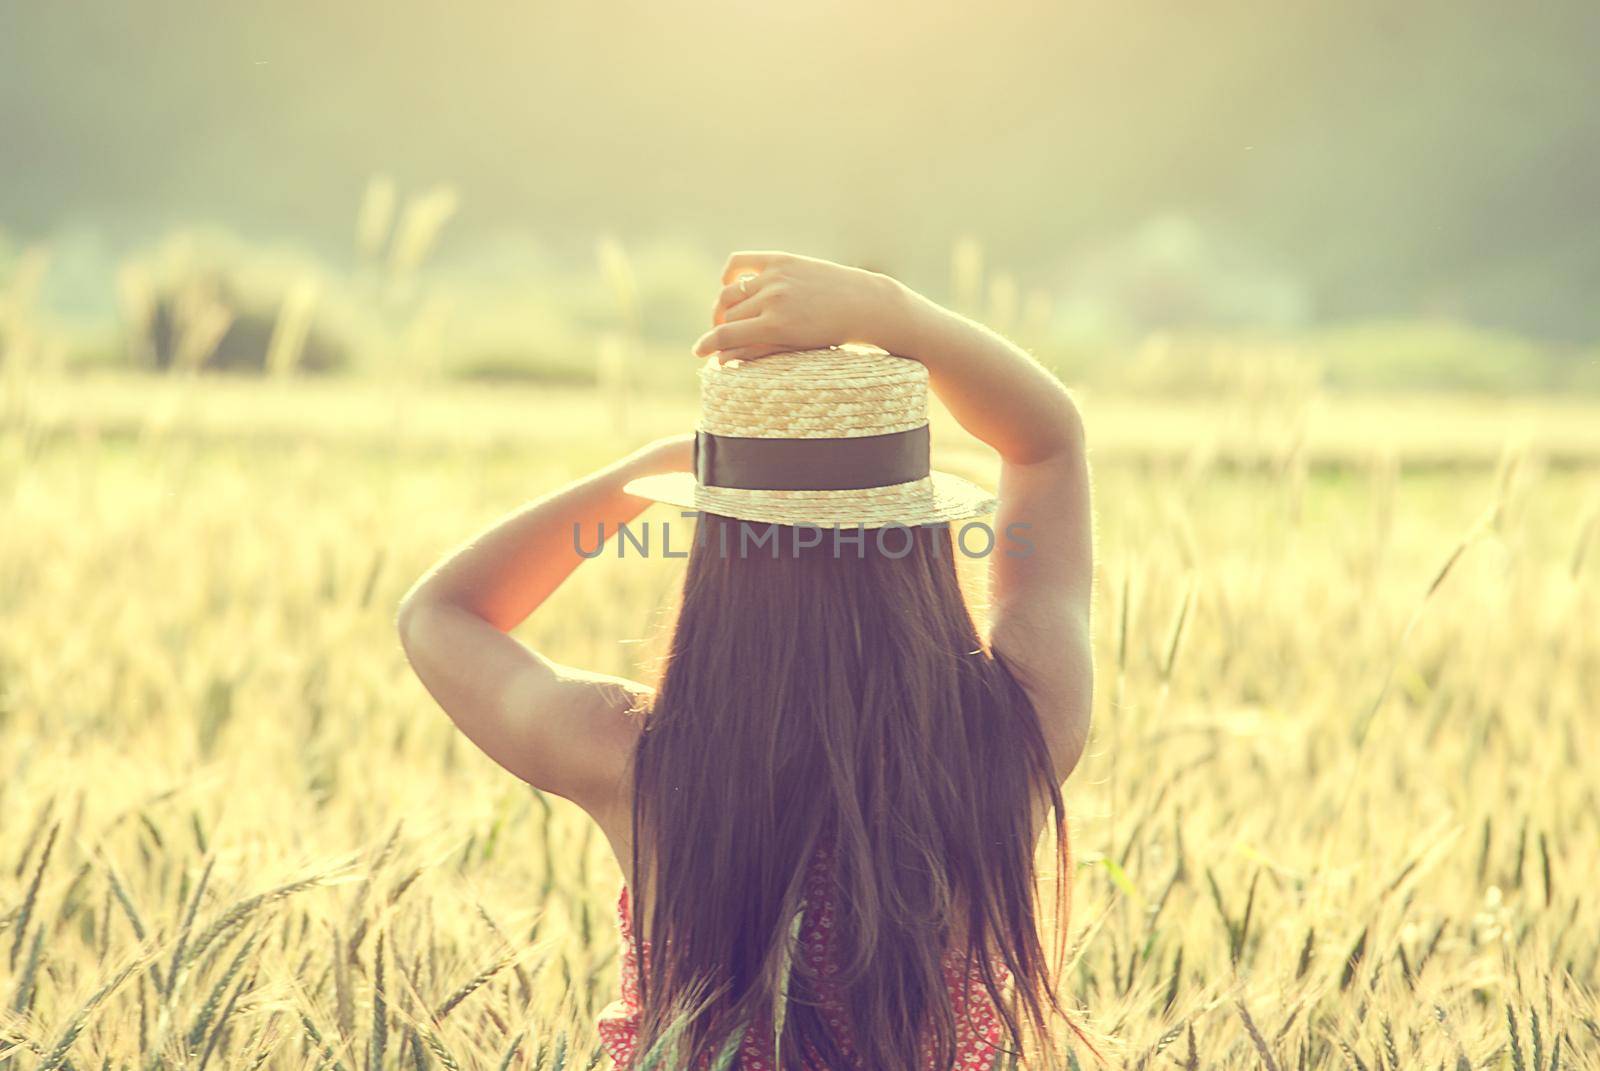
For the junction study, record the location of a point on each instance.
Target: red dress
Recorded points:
(978, 1027)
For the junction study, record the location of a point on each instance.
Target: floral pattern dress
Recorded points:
(978, 1026)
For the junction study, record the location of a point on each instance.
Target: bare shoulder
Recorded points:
(1050, 656)
(589, 730)
(564, 730)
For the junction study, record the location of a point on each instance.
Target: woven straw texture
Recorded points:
(842, 393)
(814, 394)
(939, 498)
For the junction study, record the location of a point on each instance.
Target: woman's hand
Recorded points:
(789, 302)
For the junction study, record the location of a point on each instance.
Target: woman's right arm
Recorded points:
(1039, 599)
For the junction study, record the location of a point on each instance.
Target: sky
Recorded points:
(1321, 162)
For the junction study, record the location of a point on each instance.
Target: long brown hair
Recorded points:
(836, 691)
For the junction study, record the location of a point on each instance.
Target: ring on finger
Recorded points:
(744, 284)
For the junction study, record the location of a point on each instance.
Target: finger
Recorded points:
(747, 309)
(747, 353)
(730, 335)
(755, 263)
(732, 296)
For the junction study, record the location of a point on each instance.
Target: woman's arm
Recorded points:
(561, 729)
(1001, 395)
(1041, 599)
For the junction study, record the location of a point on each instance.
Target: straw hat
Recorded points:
(834, 438)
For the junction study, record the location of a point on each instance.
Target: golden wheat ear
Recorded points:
(780, 991)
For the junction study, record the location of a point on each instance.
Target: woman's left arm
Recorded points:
(564, 730)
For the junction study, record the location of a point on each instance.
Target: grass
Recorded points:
(1339, 809)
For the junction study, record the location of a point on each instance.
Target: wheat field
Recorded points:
(1339, 809)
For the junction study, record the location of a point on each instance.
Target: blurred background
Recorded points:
(1402, 193)
(295, 296)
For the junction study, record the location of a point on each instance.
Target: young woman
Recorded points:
(826, 809)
